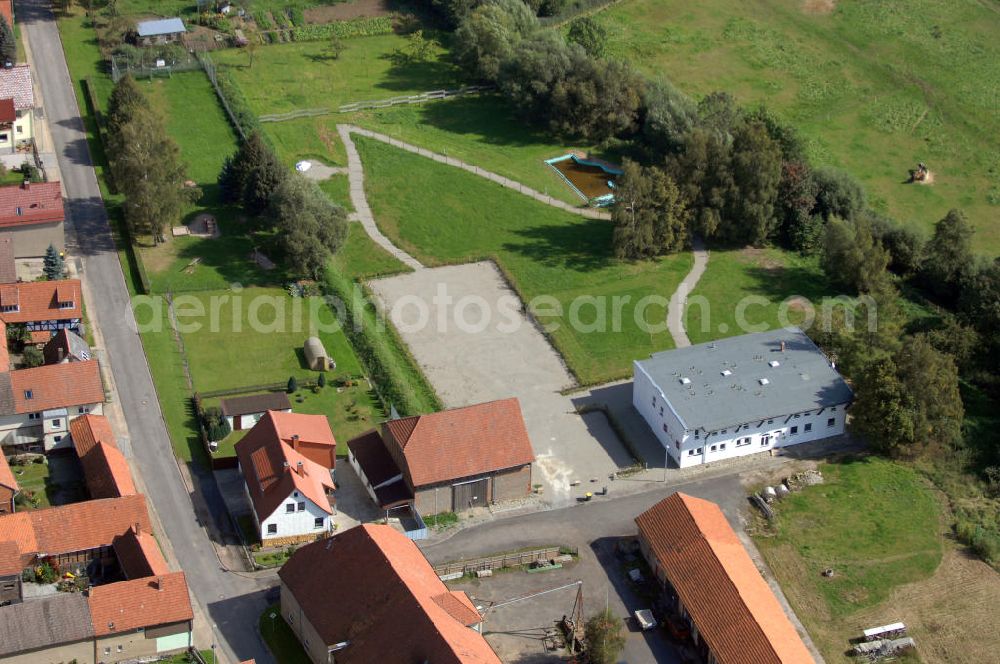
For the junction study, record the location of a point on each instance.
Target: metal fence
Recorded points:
(498, 561)
(151, 65)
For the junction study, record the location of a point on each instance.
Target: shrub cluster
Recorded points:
(359, 27)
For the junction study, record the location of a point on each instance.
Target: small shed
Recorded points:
(244, 412)
(316, 356)
(160, 31)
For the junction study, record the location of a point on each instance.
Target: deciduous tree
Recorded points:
(604, 634)
(853, 259)
(650, 215)
(490, 35)
(589, 34)
(311, 228)
(8, 44)
(948, 255)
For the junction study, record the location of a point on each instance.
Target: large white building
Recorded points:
(740, 396)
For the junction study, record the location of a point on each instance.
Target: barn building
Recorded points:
(740, 396)
(245, 412)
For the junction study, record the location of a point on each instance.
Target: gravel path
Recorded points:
(675, 312)
(363, 213)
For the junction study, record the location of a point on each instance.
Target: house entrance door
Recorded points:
(468, 494)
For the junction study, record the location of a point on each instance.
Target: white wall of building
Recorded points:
(691, 448)
(50, 427)
(299, 522)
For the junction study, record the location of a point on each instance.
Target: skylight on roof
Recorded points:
(774, 363)
(727, 372)
(685, 380)
(763, 381)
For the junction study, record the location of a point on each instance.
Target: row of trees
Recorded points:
(308, 228)
(145, 163)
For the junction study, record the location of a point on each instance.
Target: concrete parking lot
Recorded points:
(468, 332)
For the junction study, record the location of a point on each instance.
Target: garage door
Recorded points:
(469, 494)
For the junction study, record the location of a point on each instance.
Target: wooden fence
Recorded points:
(499, 561)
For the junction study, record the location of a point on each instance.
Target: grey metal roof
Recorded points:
(803, 380)
(38, 623)
(162, 26)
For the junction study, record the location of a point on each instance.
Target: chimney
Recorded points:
(137, 528)
(62, 353)
(295, 441)
(159, 584)
(284, 464)
(782, 346)
(26, 185)
(302, 469)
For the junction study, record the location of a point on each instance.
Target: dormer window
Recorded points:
(19, 211)
(65, 305)
(10, 308)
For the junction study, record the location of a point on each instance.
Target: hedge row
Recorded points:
(359, 27)
(230, 90)
(392, 370)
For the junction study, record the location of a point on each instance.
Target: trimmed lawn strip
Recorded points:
(338, 189)
(543, 251)
(362, 259)
(874, 522)
(738, 278)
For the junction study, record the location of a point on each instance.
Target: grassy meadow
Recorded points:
(874, 522)
(734, 283)
(874, 87)
(543, 250)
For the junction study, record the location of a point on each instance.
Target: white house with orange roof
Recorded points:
(291, 495)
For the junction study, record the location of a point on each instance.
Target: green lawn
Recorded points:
(480, 130)
(361, 258)
(351, 410)
(740, 278)
(852, 83)
(874, 522)
(255, 337)
(33, 480)
(545, 252)
(280, 638)
(337, 188)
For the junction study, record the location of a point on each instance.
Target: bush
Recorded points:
(293, 385)
(297, 16)
(32, 357)
(359, 27)
(263, 20)
(321, 381)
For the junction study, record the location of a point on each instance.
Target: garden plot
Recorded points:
(495, 353)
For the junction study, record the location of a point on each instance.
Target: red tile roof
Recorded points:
(7, 11)
(272, 470)
(128, 605)
(38, 202)
(106, 472)
(728, 600)
(76, 527)
(399, 589)
(462, 442)
(37, 301)
(139, 555)
(87, 430)
(7, 478)
(314, 429)
(7, 111)
(4, 353)
(57, 386)
(15, 82)
(8, 269)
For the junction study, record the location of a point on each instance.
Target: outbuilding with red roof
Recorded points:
(369, 595)
(448, 461)
(32, 212)
(710, 582)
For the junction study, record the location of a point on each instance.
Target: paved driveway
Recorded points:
(496, 356)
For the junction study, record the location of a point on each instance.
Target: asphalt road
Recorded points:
(232, 602)
(593, 529)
